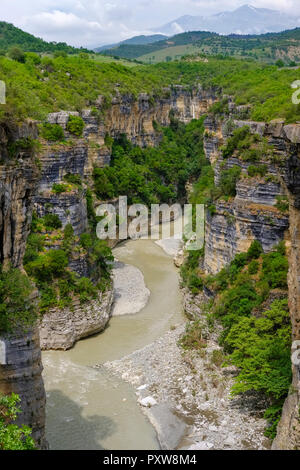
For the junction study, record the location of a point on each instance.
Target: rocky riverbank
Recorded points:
(60, 329)
(186, 396)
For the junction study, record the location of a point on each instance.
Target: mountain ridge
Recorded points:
(136, 40)
(246, 19)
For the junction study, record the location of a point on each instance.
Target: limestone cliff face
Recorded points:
(61, 329)
(18, 184)
(253, 214)
(21, 373)
(135, 117)
(20, 365)
(288, 436)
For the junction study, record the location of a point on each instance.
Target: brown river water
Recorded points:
(89, 408)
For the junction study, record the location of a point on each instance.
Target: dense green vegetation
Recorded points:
(17, 306)
(154, 175)
(49, 267)
(43, 85)
(75, 125)
(52, 132)
(256, 329)
(13, 437)
(247, 146)
(266, 88)
(11, 36)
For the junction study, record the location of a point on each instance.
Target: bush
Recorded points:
(86, 289)
(52, 132)
(274, 270)
(59, 188)
(193, 337)
(86, 241)
(255, 250)
(257, 170)
(75, 125)
(26, 144)
(48, 265)
(16, 53)
(228, 181)
(52, 222)
(189, 271)
(35, 244)
(17, 306)
(282, 203)
(253, 267)
(73, 179)
(13, 437)
(220, 108)
(32, 57)
(239, 139)
(261, 350)
(68, 232)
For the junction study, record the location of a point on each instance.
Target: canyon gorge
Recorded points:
(26, 188)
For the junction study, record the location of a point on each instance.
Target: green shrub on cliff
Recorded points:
(17, 305)
(59, 188)
(240, 138)
(274, 269)
(13, 437)
(75, 125)
(261, 350)
(52, 132)
(51, 222)
(49, 268)
(257, 170)
(228, 181)
(189, 271)
(256, 330)
(282, 204)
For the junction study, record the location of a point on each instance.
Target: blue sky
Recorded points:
(97, 22)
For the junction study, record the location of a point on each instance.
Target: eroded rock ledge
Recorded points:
(60, 329)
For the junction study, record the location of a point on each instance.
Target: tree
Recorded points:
(13, 437)
(16, 53)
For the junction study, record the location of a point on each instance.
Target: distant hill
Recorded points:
(268, 47)
(12, 36)
(245, 20)
(140, 40)
(132, 51)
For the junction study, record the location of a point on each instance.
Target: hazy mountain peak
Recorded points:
(246, 19)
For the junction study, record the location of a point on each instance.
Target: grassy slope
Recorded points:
(75, 83)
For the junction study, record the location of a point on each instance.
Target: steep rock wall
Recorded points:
(18, 184)
(21, 373)
(20, 367)
(252, 215)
